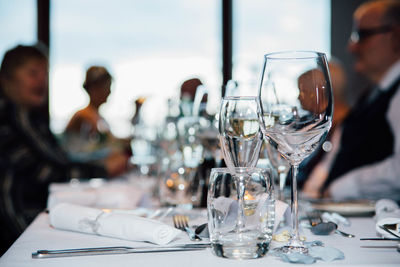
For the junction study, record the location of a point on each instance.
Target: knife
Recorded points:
(380, 238)
(40, 254)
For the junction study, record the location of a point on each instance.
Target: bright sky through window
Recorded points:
(151, 47)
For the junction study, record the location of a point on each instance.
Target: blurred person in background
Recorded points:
(315, 171)
(189, 88)
(30, 157)
(367, 164)
(193, 97)
(88, 135)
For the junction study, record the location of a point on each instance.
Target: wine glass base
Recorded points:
(292, 249)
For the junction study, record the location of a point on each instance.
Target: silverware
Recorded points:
(318, 227)
(392, 229)
(343, 233)
(393, 226)
(380, 238)
(384, 227)
(182, 222)
(40, 254)
(200, 228)
(397, 247)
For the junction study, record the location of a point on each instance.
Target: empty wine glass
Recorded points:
(281, 166)
(295, 113)
(241, 140)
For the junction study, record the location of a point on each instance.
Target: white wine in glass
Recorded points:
(241, 140)
(295, 112)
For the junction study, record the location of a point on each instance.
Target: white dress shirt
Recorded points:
(381, 179)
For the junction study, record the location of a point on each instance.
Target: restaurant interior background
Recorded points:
(151, 47)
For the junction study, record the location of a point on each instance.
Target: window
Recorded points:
(18, 24)
(264, 26)
(150, 48)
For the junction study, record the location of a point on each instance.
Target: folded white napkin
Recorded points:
(110, 223)
(386, 212)
(107, 195)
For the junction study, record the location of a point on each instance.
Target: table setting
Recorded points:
(246, 218)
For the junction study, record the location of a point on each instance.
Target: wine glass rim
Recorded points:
(294, 54)
(241, 169)
(240, 98)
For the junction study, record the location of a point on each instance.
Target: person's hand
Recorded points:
(311, 192)
(326, 194)
(314, 183)
(116, 163)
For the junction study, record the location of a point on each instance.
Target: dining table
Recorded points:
(41, 235)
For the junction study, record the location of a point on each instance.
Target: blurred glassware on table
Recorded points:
(138, 106)
(186, 168)
(248, 87)
(252, 239)
(295, 112)
(188, 146)
(144, 148)
(178, 146)
(281, 166)
(193, 97)
(174, 187)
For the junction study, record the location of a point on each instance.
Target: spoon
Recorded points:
(327, 228)
(200, 228)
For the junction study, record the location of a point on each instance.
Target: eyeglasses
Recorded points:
(358, 35)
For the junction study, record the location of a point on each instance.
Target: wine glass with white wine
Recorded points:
(241, 140)
(295, 112)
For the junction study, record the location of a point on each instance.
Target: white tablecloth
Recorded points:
(39, 235)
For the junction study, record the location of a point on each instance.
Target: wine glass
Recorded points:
(295, 112)
(280, 164)
(241, 140)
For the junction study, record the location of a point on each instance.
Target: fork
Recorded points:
(387, 228)
(181, 222)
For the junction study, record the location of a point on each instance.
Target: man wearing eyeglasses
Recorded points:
(367, 165)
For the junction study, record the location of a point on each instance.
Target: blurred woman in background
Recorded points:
(30, 157)
(88, 136)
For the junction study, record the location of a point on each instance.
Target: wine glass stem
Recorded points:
(282, 181)
(295, 240)
(240, 192)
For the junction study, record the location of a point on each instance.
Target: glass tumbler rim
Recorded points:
(294, 55)
(226, 169)
(240, 97)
